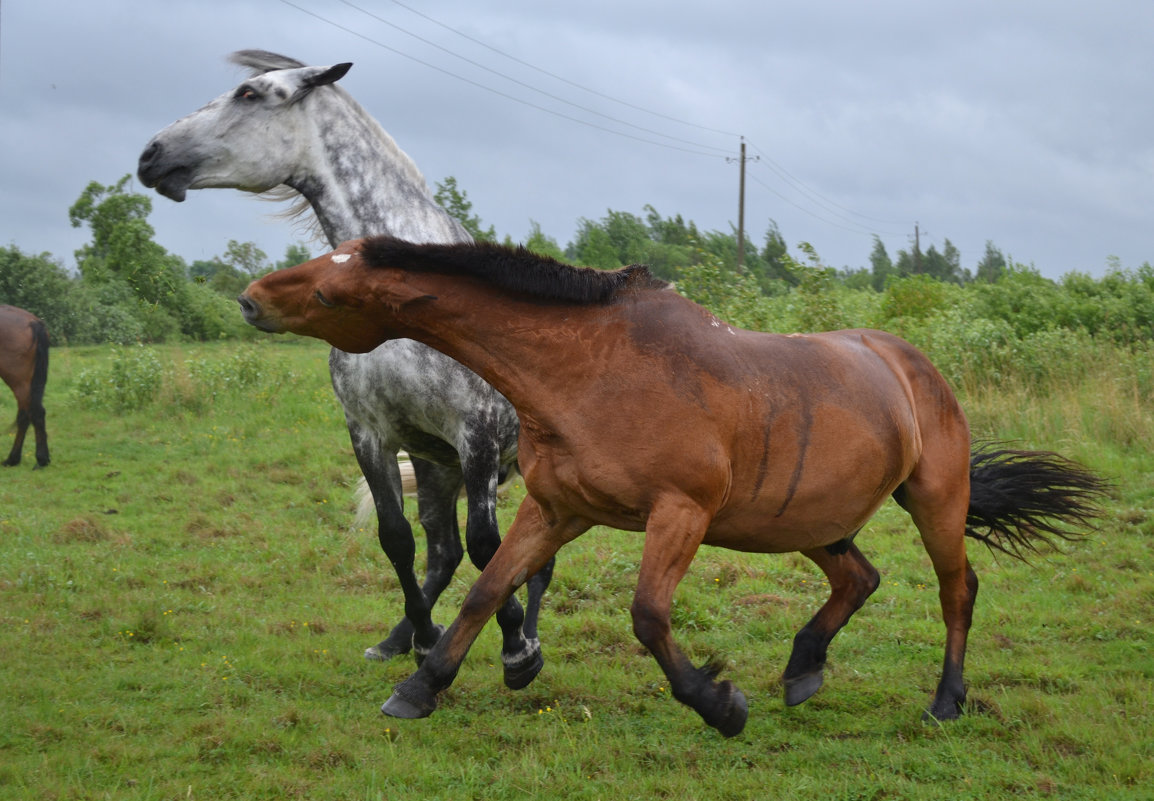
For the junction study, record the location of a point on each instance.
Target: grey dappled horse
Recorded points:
(291, 132)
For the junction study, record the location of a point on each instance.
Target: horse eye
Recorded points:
(328, 304)
(247, 93)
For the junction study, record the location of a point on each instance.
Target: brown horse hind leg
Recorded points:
(939, 512)
(22, 421)
(852, 580)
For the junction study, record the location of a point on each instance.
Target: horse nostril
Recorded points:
(150, 153)
(248, 307)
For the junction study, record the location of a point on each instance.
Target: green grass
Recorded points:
(183, 607)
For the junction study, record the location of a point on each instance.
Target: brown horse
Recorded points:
(642, 411)
(24, 368)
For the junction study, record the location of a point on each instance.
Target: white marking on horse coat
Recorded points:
(341, 258)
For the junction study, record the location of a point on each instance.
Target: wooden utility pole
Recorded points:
(917, 249)
(741, 205)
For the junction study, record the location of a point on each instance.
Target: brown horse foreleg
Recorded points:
(672, 536)
(852, 580)
(529, 544)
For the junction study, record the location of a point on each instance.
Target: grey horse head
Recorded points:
(249, 138)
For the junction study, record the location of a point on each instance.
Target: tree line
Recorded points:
(128, 288)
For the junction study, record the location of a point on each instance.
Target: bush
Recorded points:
(132, 381)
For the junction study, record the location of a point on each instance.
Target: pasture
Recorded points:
(185, 604)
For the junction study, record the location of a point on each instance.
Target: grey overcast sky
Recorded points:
(1026, 123)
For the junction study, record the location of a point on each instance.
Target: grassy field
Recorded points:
(185, 604)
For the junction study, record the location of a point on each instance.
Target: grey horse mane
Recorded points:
(299, 212)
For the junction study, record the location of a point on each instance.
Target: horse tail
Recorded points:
(1020, 500)
(40, 366)
(363, 496)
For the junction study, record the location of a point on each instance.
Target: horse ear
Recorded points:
(330, 75)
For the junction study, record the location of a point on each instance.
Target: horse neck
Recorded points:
(362, 184)
(515, 345)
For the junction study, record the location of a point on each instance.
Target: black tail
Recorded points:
(1021, 499)
(40, 368)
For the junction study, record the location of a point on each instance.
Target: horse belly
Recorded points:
(810, 490)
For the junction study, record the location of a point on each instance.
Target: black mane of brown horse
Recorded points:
(513, 269)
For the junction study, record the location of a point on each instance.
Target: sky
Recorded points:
(1025, 123)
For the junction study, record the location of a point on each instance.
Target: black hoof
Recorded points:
(402, 705)
(732, 722)
(802, 688)
(519, 675)
(942, 712)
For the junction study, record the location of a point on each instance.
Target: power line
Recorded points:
(521, 83)
(491, 89)
(685, 146)
(557, 77)
(817, 197)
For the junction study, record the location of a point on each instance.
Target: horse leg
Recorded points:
(23, 418)
(37, 418)
(938, 510)
(396, 538)
(520, 651)
(529, 544)
(852, 579)
(672, 535)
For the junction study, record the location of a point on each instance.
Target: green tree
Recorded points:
(880, 265)
(541, 244)
(293, 255)
(593, 247)
(35, 283)
(456, 202)
(122, 247)
(992, 265)
(775, 254)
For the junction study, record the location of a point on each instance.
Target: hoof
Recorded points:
(934, 714)
(383, 652)
(401, 706)
(802, 688)
(732, 723)
(519, 675)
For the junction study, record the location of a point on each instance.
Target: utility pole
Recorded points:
(917, 249)
(741, 205)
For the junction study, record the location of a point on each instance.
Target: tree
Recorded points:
(122, 247)
(541, 244)
(293, 255)
(775, 254)
(593, 247)
(880, 265)
(992, 265)
(456, 202)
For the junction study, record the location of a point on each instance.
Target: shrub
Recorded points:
(132, 380)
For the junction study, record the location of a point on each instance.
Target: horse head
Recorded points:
(249, 138)
(337, 297)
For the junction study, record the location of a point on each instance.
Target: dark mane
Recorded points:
(514, 269)
(262, 61)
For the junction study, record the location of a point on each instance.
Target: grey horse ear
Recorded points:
(331, 75)
(313, 77)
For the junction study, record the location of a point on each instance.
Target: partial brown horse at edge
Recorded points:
(24, 368)
(642, 411)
